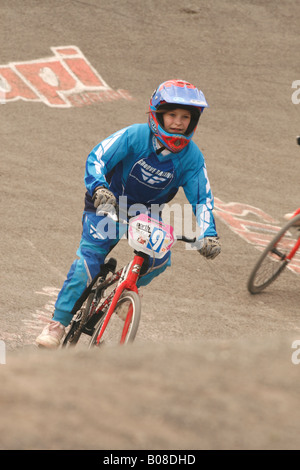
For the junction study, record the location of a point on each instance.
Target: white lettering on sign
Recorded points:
(64, 80)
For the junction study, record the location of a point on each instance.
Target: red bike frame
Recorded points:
(129, 283)
(297, 244)
(294, 250)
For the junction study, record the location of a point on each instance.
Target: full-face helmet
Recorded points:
(170, 95)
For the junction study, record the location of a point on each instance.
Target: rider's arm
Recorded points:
(103, 158)
(198, 192)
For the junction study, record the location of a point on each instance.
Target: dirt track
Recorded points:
(211, 367)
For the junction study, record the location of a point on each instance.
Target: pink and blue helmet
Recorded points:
(170, 95)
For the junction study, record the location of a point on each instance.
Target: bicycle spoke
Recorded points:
(274, 259)
(268, 270)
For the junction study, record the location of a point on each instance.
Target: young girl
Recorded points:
(146, 164)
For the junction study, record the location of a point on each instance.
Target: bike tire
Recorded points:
(113, 331)
(273, 261)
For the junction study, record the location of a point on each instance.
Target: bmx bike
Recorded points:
(276, 256)
(109, 309)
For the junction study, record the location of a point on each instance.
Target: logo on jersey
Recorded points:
(151, 175)
(147, 178)
(150, 178)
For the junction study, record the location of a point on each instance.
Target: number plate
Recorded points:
(150, 236)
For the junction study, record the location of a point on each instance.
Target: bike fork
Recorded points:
(129, 283)
(293, 251)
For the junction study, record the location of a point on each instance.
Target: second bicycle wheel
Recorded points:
(123, 324)
(273, 259)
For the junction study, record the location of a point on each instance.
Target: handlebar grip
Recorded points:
(186, 239)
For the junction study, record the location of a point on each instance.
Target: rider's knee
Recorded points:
(154, 269)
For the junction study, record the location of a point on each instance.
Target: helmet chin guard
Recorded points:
(171, 95)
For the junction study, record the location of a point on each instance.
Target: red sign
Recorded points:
(253, 225)
(66, 79)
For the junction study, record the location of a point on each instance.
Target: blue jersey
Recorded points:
(128, 164)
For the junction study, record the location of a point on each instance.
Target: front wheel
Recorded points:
(123, 324)
(273, 259)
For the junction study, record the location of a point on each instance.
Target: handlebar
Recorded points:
(185, 239)
(113, 214)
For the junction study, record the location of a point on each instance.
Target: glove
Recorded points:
(104, 199)
(209, 247)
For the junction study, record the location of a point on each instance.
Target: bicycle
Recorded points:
(109, 309)
(276, 256)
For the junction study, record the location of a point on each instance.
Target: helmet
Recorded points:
(170, 95)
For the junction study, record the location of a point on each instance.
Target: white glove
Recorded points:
(104, 199)
(209, 247)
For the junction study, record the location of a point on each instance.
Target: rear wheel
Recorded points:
(123, 324)
(273, 259)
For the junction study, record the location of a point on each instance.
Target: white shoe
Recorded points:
(51, 335)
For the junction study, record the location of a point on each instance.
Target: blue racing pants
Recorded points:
(99, 236)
